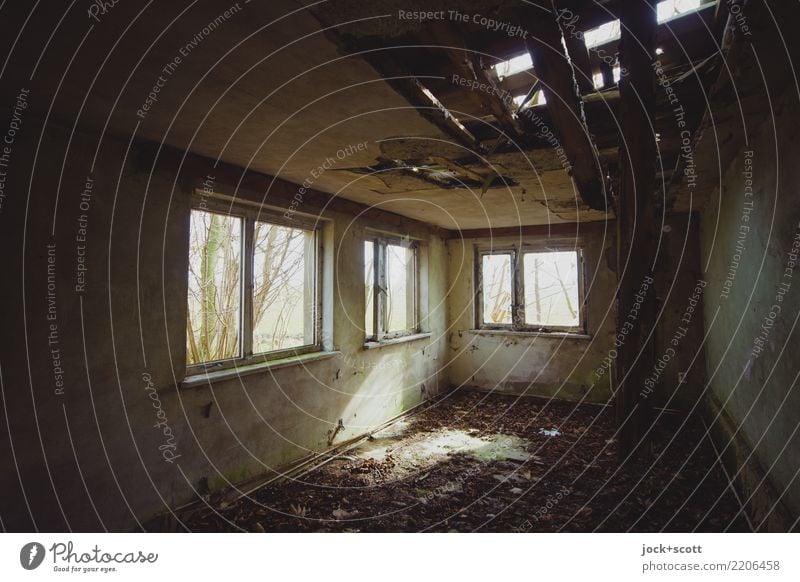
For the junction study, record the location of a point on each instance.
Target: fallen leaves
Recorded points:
(462, 493)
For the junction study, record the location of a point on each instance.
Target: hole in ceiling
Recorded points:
(442, 172)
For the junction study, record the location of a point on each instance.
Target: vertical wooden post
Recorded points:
(637, 229)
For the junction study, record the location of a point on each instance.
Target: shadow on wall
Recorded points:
(111, 439)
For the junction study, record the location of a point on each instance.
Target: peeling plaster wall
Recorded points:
(564, 368)
(754, 399)
(679, 370)
(579, 368)
(96, 444)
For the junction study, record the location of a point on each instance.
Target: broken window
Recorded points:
(530, 290)
(252, 291)
(391, 282)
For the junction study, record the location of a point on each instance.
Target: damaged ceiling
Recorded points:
(359, 101)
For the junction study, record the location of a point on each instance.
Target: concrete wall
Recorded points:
(750, 239)
(560, 367)
(87, 376)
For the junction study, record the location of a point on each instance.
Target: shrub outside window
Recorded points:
(253, 292)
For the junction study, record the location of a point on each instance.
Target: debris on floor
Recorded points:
(487, 462)
(550, 432)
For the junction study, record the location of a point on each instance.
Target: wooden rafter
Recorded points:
(555, 71)
(469, 65)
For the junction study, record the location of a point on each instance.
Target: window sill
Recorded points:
(204, 378)
(544, 334)
(397, 340)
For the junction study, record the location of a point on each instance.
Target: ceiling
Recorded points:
(292, 92)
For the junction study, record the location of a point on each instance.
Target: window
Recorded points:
(498, 289)
(529, 290)
(391, 283)
(215, 287)
(253, 287)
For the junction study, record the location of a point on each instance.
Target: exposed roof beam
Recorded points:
(469, 66)
(405, 83)
(554, 70)
(555, 229)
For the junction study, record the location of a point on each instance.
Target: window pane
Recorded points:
(369, 281)
(283, 287)
(215, 287)
(551, 289)
(399, 288)
(496, 274)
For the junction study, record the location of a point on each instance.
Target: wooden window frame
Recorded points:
(250, 214)
(518, 290)
(379, 289)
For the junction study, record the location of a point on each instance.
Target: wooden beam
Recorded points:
(560, 229)
(637, 229)
(564, 104)
(407, 85)
(469, 65)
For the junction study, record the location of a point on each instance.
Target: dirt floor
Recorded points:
(479, 462)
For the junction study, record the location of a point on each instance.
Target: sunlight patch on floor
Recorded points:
(423, 450)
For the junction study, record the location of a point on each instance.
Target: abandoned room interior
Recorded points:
(400, 266)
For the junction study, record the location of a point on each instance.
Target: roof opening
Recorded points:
(513, 66)
(672, 8)
(602, 34)
(537, 99)
(665, 11)
(442, 108)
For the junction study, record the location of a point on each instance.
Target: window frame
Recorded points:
(380, 242)
(250, 213)
(518, 324)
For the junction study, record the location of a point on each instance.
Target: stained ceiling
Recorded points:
(354, 99)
